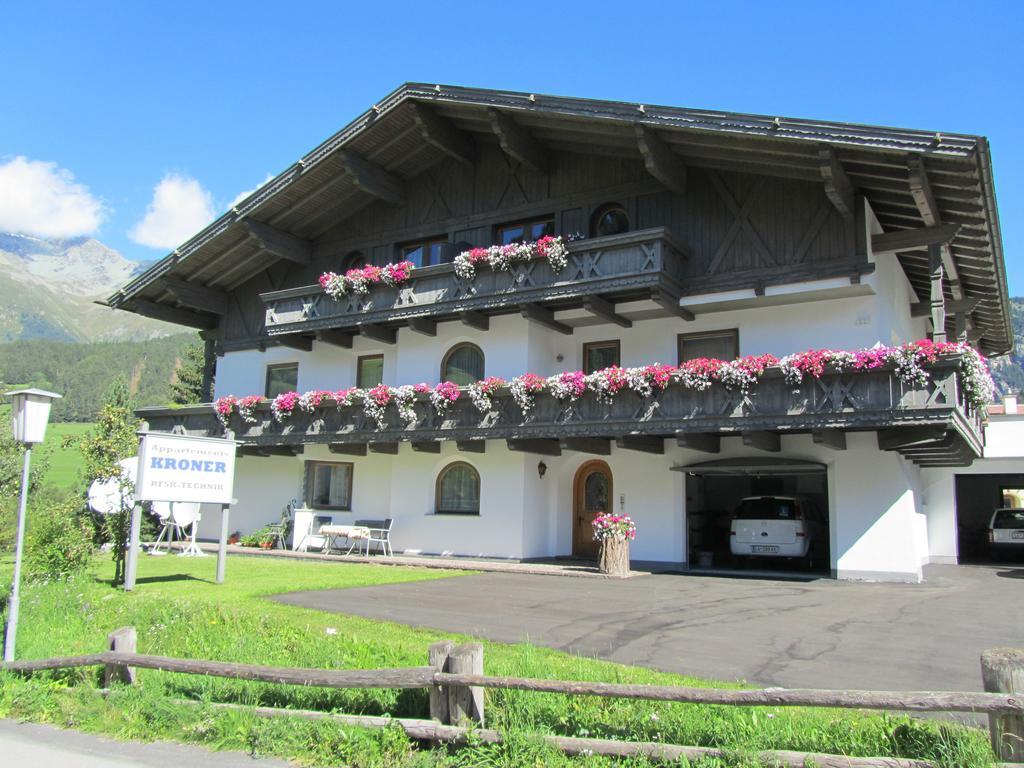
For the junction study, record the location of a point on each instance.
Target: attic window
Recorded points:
(609, 219)
(427, 252)
(525, 231)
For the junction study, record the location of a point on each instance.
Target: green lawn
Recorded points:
(179, 611)
(65, 463)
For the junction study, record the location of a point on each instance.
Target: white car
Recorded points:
(1006, 532)
(775, 526)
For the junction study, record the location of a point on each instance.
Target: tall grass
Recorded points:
(178, 611)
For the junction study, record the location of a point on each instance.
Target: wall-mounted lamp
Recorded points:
(559, 357)
(542, 469)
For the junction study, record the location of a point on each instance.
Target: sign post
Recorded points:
(179, 468)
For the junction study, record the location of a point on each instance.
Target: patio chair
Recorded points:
(279, 531)
(380, 534)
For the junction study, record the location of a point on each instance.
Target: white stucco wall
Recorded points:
(1004, 453)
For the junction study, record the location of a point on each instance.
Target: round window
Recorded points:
(610, 220)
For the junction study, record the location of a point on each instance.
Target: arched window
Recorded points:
(458, 490)
(609, 219)
(355, 260)
(463, 364)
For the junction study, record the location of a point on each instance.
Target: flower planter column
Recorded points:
(614, 560)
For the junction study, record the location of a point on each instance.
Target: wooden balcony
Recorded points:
(647, 264)
(931, 423)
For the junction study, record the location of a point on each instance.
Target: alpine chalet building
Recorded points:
(490, 316)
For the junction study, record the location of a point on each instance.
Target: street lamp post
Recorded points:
(30, 410)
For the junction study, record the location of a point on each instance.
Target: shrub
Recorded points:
(58, 541)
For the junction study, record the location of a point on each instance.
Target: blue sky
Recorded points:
(197, 102)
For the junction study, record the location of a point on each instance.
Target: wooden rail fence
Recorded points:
(456, 681)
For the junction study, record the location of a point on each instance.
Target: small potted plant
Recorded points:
(261, 538)
(614, 532)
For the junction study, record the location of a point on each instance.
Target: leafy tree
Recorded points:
(187, 387)
(111, 440)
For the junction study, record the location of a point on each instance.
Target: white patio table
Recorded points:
(353, 534)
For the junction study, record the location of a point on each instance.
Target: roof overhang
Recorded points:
(911, 179)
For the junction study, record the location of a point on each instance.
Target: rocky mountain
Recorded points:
(48, 288)
(1008, 371)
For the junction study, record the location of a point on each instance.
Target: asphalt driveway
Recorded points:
(820, 634)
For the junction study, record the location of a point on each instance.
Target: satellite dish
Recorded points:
(162, 509)
(184, 513)
(107, 497)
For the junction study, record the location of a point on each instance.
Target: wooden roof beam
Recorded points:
(958, 306)
(924, 199)
(699, 441)
(661, 162)
(763, 441)
(838, 186)
(378, 333)
(280, 243)
(200, 320)
(599, 446)
(347, 449)
(545, 447)
(517, 142)
(643, 443)
(913, 239)
(296, 341)
(471, 446)
(198, 296)
(473, 319)
(441, 134)
(670, 302)
(544, 316)
(335, 337)
(373, 179)
(423, 325)
(604, 309)
(830, 438)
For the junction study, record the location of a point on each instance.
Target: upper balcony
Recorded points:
(646, 264)
(931, 422)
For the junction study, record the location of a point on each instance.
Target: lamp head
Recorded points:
(30, 411)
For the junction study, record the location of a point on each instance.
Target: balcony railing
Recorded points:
(931, 423)
(635, 264)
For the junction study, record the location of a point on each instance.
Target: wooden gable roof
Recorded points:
(912, 179)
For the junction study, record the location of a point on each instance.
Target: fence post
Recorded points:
(1002, 671)
(124, 640)
(438, 659)
(466, 702)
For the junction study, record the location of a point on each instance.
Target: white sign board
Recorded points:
(183, 468)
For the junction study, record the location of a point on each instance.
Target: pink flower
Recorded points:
(381, 394)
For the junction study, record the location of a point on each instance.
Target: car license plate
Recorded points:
(1017, 534)
(764, 548)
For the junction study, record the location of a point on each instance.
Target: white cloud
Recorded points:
(180, 208)
(242, 195)
(43, 199)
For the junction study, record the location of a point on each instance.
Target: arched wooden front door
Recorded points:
(592, 496)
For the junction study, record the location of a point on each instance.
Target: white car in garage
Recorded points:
(776, 526)
(1006, 532)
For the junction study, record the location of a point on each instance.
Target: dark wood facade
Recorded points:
(753, 201)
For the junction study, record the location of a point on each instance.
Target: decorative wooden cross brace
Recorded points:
(837, 395)
(585, 265)
(311, 307)
(650, 257)
(406, 297)
(522, 274)
(648, 407)
(737, 403)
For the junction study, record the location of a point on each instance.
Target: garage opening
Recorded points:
(746, 514)
(977, 499)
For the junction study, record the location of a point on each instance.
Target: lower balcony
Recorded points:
(931, 423)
